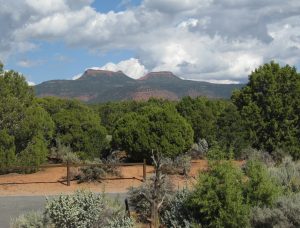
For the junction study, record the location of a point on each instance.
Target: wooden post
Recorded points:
(68, 174)
(144, 170)
(127, 208)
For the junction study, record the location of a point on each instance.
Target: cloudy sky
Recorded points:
(211, 40)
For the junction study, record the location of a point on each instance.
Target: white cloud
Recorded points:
(223, 81)
(201, 39)
(131, 67)
(77, 76)
(46, 7)
(31, 83)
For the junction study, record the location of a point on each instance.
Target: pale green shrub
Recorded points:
(110, 166)
(70, 157)
(285, 213)
(180, 165)
(57, 153)
(138, 200)
(80, 210)
(29, 220)
(124, 222)
(98, 170)
(199, 149)
(175, 213)
(90, 174)
(250, 153)
(83, 209)
(287, 174)
(140, 204)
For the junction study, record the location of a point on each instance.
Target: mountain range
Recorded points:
(96, 86)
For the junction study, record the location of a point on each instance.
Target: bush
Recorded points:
(218, 153)
(98, 170)
(199, 149)
(110, 166)
(260, 188)
(7, 151)
(57, 153)
(29, 220)
(180, 165)
(250, 153)
(285, 213)
(139, 202)
(124, 222)
(217, 200)
(113, 215)
(70, 157)
(175, 213)
(91, 173)
(85, 209)
(81, 209)
(287, 174)
(34, 155)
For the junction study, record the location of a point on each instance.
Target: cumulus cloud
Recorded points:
(212, 40)
(131, 67)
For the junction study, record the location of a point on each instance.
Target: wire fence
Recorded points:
(69, 165)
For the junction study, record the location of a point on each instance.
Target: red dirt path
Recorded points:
(49, 181)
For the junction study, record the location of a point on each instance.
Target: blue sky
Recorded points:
(218, 41)
(55, 60)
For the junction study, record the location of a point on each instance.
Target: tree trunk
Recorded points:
(154, 216)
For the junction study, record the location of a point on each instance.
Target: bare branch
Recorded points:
(161, 202)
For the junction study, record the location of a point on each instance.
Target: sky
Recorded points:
(219, 41)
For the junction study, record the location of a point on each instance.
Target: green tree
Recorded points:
(34, 154)
(111, 112)
(36, 121)
(13, 84)
(153, 128)
(231, 133)
(80, 128)
(15, 97)
(202, 114)
(7, 150)
(269, 105)
(217, 200)
(53, 105)
(23, 120)
(260, 188)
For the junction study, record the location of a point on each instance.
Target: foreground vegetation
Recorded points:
(81, 210)
(260, 124)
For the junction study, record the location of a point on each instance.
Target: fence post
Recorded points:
(144, 170)
(68, 174)
(127, 208)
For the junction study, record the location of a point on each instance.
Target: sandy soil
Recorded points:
(50, 181)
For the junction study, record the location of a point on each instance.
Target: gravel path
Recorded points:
(13, 206)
